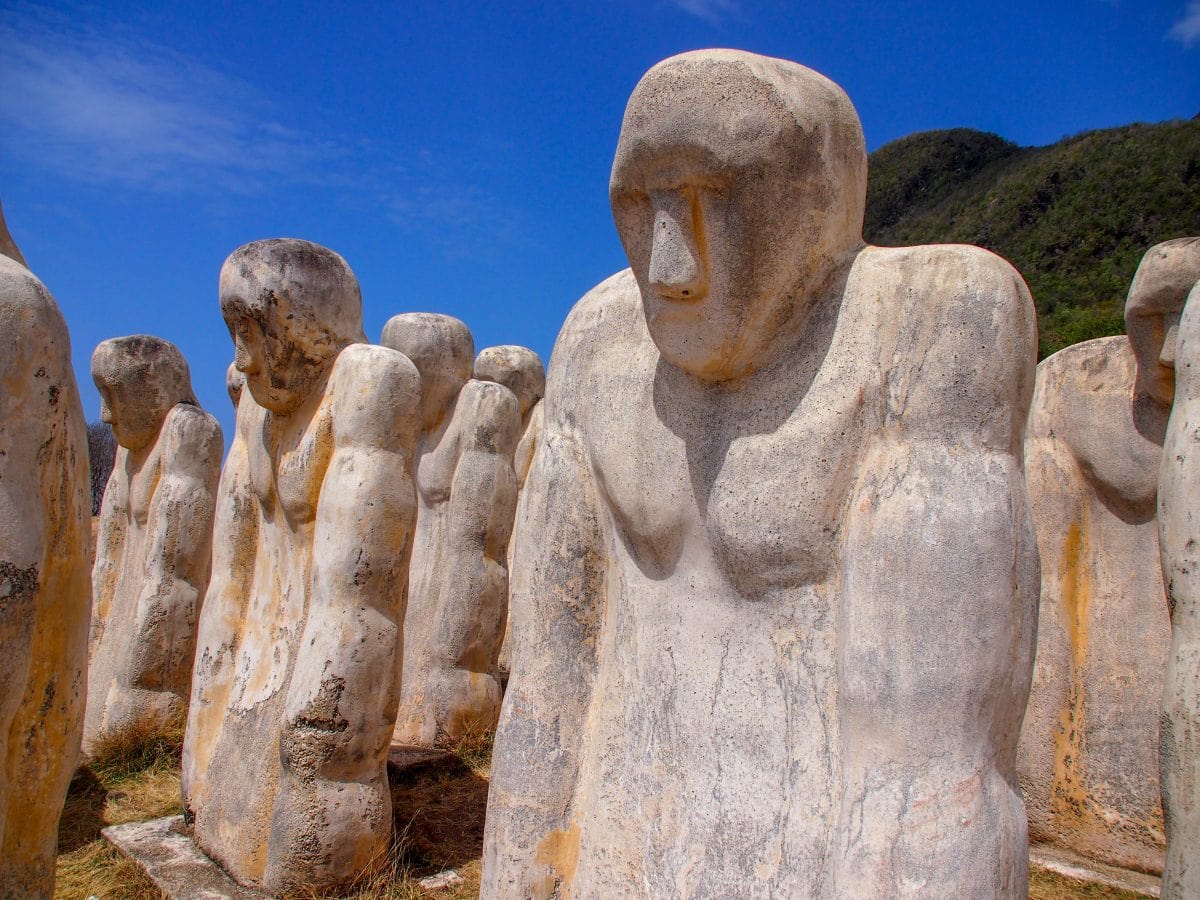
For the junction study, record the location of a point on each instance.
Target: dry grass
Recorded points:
(1047, 885)
(438, 809)
(128, 782)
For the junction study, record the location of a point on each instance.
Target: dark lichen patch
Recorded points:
(17, 586)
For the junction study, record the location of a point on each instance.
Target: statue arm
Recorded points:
(939, 599)
(343, 695)
(527, 447)
(175, 568)
(110, 548)
(221, 618)
(556, 607)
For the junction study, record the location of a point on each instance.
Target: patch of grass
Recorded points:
(127, 781)
(1047, 885)
(438, 809)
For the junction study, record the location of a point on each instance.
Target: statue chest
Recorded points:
(287, 468)
(762, 499)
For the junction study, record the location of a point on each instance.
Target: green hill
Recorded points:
(1074, 217)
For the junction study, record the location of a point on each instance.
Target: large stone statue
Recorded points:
(297, 675)
(1088, 759)
(45, 511)
(466, 496)
(775, 594)
(1179, 532)
(155, 539)
(520, 370)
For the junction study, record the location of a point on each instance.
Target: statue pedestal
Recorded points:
(165, 851)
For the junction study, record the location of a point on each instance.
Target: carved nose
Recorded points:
(675, 268)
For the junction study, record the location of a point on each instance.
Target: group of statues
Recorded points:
(766, 621)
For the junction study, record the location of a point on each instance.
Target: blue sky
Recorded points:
(457, 154)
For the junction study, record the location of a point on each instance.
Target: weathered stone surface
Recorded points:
(1088, 759)
(163, 849)
(45, 509)
(520, 370)
(1179, 533)
(154, 541)
(775, 592)
(296, 679)
(466, 490)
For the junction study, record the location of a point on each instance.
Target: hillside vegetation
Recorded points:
(1074, 217)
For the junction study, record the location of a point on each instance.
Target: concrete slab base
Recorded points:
(1071, 865)
(170, 858)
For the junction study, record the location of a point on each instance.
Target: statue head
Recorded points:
(442, 349)
(1157, 294)
(291, 307)
(140, 378)
(517, 368)
(738, 190)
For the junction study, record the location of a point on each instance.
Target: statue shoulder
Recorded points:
(192, 435)
(375, 395)
(960, 342)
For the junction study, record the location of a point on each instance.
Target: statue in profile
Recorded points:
(466, 493)
(1179, 535)
(520, 370)
(1088, 758)
(154, 542)
(297, 671)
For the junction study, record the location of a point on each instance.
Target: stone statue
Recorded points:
(775, 594)
(1088, 758)
(1179, 534)
(235, 381)
(155, 541)
(45, 511)
(297, 675)
(520, 370)
(466, 494)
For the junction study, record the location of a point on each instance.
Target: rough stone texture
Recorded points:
(1088, 759)
(296, 679)
(774, 602)
(520, 370)
(1179, 533)
(154, 541)
(466, 490)
(45, 510)
(163, 849)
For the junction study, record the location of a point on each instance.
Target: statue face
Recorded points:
(735, 201)
(135, 423)
(1156, 298)
(1152, 334)
(290, 307)
(278, 369)
(140, 378)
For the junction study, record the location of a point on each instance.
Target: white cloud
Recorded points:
(1187, 29)
(710, 10)
(111, 108)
